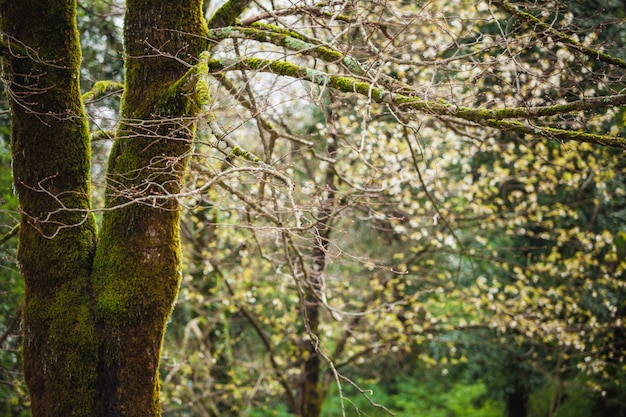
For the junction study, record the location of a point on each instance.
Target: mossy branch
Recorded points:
(557, 134)
(102, 135)
(202, 74)
(101, 89)
(8, 235)
(13, 324)
(193, 84)
(288, 39)
(228, 13)
(560, 36)
(487, 117)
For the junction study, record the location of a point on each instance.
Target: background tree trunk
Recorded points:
(315, 388)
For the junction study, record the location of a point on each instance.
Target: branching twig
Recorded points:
(560, 36)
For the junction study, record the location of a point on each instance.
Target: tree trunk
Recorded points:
(517, 403)
(51, 157)
(137, 266)
(313, 387)
(94, 317)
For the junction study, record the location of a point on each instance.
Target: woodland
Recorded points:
(313, 209)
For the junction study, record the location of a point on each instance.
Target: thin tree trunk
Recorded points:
(313, 389)
(517, 404)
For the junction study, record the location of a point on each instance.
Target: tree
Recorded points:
(97, 299)
(94, 315)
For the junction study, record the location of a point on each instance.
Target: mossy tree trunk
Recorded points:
(95, 313)
(51, 159)
(137, 265)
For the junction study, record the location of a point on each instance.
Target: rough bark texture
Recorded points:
(94, 317)
(137, 266)
(51, 157)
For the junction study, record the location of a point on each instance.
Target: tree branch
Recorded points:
(293, 404)
(487, 117)
(560, 36)
(228, 13)
(8, 235)
(13, 324)
(557, 134)
(289, 39)
(102, 88)
(301, 10)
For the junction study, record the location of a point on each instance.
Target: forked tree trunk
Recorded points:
(95, 314)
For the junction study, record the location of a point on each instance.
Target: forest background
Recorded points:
(392, 244)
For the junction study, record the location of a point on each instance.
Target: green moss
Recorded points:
(242, 153)
(313, 399)
(93, 327)
(51, 165)
(289, 39)
(137, 264)
(135, 284)
(60, 355)
(100, 88)
(227, 14)
(276, 29)
(202, 87)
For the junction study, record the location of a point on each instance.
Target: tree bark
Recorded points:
(138, 263)
(517, 403)
(94, 315)
(51, 157)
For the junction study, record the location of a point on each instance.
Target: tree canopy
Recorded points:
(331, 195)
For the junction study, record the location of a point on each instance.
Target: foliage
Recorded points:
(417, 397)
(360, 186)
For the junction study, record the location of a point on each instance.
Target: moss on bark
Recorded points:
(51, 157)
(94, 318)
(495, 118)
(228, 13)
(138, 261)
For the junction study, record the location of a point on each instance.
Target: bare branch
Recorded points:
(560, 36)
